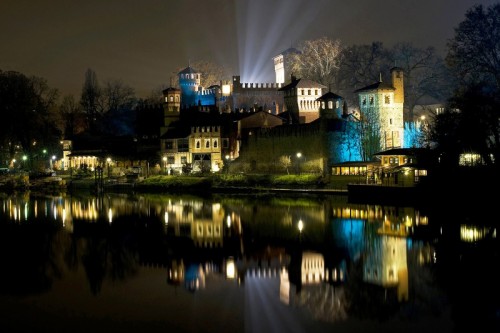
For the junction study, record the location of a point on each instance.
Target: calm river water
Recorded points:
(239, 263)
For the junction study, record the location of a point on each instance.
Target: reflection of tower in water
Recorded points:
(386, 259)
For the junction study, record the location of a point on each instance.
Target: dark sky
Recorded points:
(145, 42)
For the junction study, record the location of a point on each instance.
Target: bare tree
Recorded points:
(285, 162)
(361, 65)
(117, 101)
(474, 51)
(319, 60)
(90, 98)
(71, 115)
(425, 74)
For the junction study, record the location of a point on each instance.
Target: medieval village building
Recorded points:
(279, 127)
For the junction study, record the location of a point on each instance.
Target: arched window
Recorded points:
(198, 144)
(330, 104)
(215, 143)
(207, 144)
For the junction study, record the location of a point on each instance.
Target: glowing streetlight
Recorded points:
(227, 163)
(164, 164)
(299, 155)
(108, 160)
(52, 160)
(300, 226)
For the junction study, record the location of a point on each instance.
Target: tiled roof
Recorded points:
(302, 83)
(328, 96)
(189, 70)
(376, 86)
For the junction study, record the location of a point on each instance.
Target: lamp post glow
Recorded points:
(300, 226)
(299, 155)
(108, 160)
(164, 164)
(227, 163)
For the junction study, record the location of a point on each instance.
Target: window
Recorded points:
(183, 160)
(182, 145)
(170, 160)
(207, 143)
(330, 104)
(387, 99)
(171, 98)
(169, 144)
(198, 144)
(390, 121)
(323, 105)
(337, 104)
(309, 92)
(363, 101)
(215, 144)
(371, 100)
(225, 143)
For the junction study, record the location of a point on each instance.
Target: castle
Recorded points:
(258, 126)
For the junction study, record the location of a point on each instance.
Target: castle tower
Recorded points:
(381, 105)
(189, 82)
(331, 105)
(281, 64)
(171, 107)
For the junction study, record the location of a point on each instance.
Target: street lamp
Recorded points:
(300, 226)
(52, 162)
(164, 164)
(227, 163)
(299, 155)
(109, 161)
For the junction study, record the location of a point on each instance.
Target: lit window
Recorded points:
(330, 104)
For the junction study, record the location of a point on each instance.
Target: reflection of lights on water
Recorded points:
(301, 225)
(230, 269)
(472, 233)
(26, 211)
(110, 215)
(228, 221)
(64, 217)
(434, 259)
(166, 217)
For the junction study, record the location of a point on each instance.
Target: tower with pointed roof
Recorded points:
(189, 82)
(381, 106)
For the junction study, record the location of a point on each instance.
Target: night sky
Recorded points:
(144, 43)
